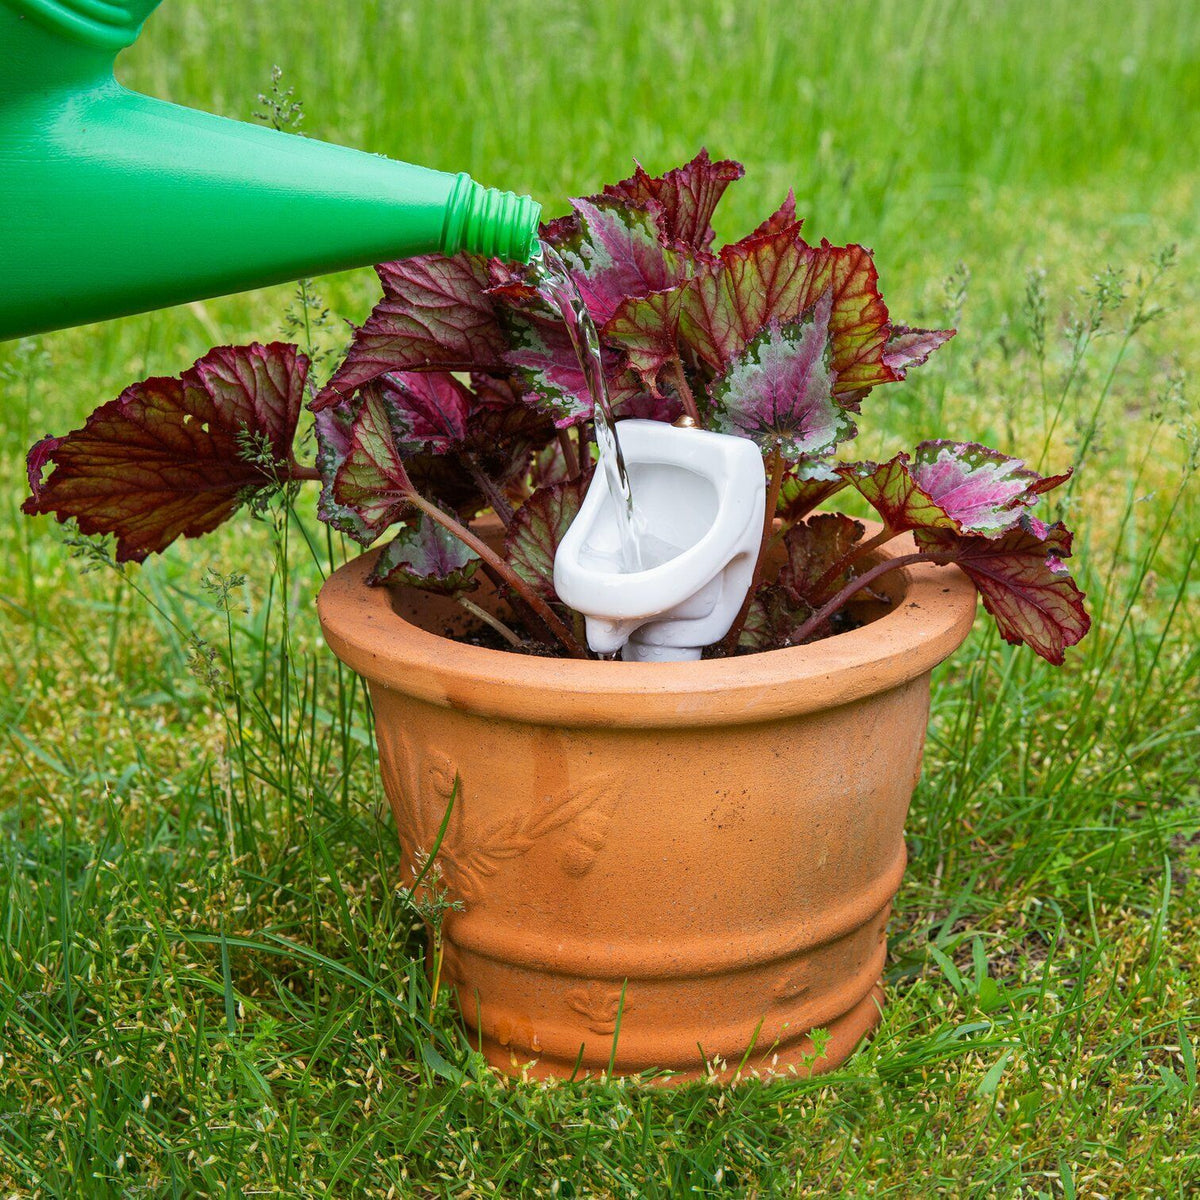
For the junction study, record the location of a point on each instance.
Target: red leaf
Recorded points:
(434, 315)
(682, 199)
(366, 485)
(39, 455)
(645, 328)
(687, 196)
(540, 524)
(173, 457)
(774, 615)
(431, 407)
(782, 219)
(911, 347)
(425, 554)
(753, 281)
(805, 485)
(1023, 583)
(815, 547)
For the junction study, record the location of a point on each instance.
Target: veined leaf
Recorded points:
(363, 466)
(779, 390)
(960, 486)
(426, 555)
(1023, 582)
(540, 524)
(174, 457)
(434, 315)
(805, 485)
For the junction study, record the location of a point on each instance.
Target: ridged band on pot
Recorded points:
(703, 854)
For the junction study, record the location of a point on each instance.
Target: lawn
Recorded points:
(210, 976)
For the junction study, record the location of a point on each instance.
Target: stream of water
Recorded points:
(556, 281)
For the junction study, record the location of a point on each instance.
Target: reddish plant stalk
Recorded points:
(683, 391)
(498, 570)
(568, 452)
(495, 497)
(510, 577)
(852, 556)
(855, 585)
(585, 458)
(775, 466)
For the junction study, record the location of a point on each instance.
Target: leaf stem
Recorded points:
(486, 617)
(683, 390)
(582, 431)
(852, 556)
(510, 577)
(775, 466)
(487, 485)
(568, 451)
(855, 585)
(300, 473)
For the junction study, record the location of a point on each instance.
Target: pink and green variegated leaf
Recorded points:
(618, 253)
(907, 347)
(174, 457)
(779, 391)
(541, 355)
(814, 547)
(543, 359)
(776, 276)
(1023, 582)
(686, 197)
(363, 465)
(682, 199)
(434, 315)
(426, 555)
(805, 485)
(960, 486)
(540, 524)
(983, 490)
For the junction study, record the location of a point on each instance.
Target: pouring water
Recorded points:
(556, 281)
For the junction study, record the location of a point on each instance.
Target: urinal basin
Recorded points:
(700, 500)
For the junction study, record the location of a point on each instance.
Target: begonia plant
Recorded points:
(461, 396)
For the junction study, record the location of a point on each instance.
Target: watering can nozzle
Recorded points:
(117, 203)
(490, 222)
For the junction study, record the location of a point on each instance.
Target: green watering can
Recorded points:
(114, 203)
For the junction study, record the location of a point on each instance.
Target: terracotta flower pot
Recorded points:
(678, 857)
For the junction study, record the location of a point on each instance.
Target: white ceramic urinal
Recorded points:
(700, 498)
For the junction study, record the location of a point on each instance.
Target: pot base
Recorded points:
(796, 1061)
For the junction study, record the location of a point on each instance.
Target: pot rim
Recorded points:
(929, 620)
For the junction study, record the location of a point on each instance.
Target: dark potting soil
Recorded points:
(488, 638)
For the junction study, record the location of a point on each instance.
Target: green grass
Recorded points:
(209, 978)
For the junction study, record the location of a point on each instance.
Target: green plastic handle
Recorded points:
(116, 203)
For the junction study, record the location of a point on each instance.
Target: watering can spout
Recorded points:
(116, 203)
